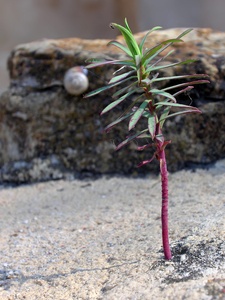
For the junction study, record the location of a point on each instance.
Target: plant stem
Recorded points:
(165, 201)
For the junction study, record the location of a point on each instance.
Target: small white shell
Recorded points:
(75, 81)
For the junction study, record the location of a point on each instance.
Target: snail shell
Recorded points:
(76, 81)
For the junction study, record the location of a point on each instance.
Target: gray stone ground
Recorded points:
(101, 239)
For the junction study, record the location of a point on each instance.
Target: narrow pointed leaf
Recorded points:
(141, 45)
(115, 103)
(172, 104)
(164, 115)
(181, 113)
(145, 162)
(156, 50)
(138, 67)
(137, 115)
(127, 25)
(99, 90)
(163, 93)
(188, 61)
(129, 139)
(169, 44)
(185, 84)
(166, 111)
(141, 148)
(121, 47)
(129, 38)
(161, 58)
(152, 121)
(110, 62)
(111, 125)
(179, 77)
(120, 77)
(121, 91)
(104, 88)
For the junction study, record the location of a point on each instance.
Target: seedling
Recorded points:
(139, 76)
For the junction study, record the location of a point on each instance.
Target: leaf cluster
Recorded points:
(140, 71)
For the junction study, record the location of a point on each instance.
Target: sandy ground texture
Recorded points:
(101, 239)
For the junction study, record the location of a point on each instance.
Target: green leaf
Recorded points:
(162, 58)
(188, 61)
(111, 125)
(150, 53)
(99, 90)
(152, 121)
(120, 77)
(138, 67)
(129, 39)
(179, 77)
(104, 88)
(121, 91)
(141, 45)
(137, 115)
(180, 113)
(130, 138)
(115, 103)
(127, 25)
(110, 62)
(164, 115)
(172, 104)
(163, 94)
(169, 44)
(185, 33)
(121, 47)
(156, 50)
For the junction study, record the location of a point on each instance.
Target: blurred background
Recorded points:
(23, 21)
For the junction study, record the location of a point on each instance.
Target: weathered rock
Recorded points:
(47, 133)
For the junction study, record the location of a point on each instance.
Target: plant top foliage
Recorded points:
(140, 70)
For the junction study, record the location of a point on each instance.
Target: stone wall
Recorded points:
(46, 133)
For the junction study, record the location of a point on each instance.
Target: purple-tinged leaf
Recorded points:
(129, 139)
(187, 89)
(141, 148)
(137, 115)
(185, 84)
(145, 162)
(115, 103)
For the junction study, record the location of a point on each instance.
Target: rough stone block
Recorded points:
(47, 133)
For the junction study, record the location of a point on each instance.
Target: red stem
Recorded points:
(165, 201)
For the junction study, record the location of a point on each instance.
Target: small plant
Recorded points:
(139, 73)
